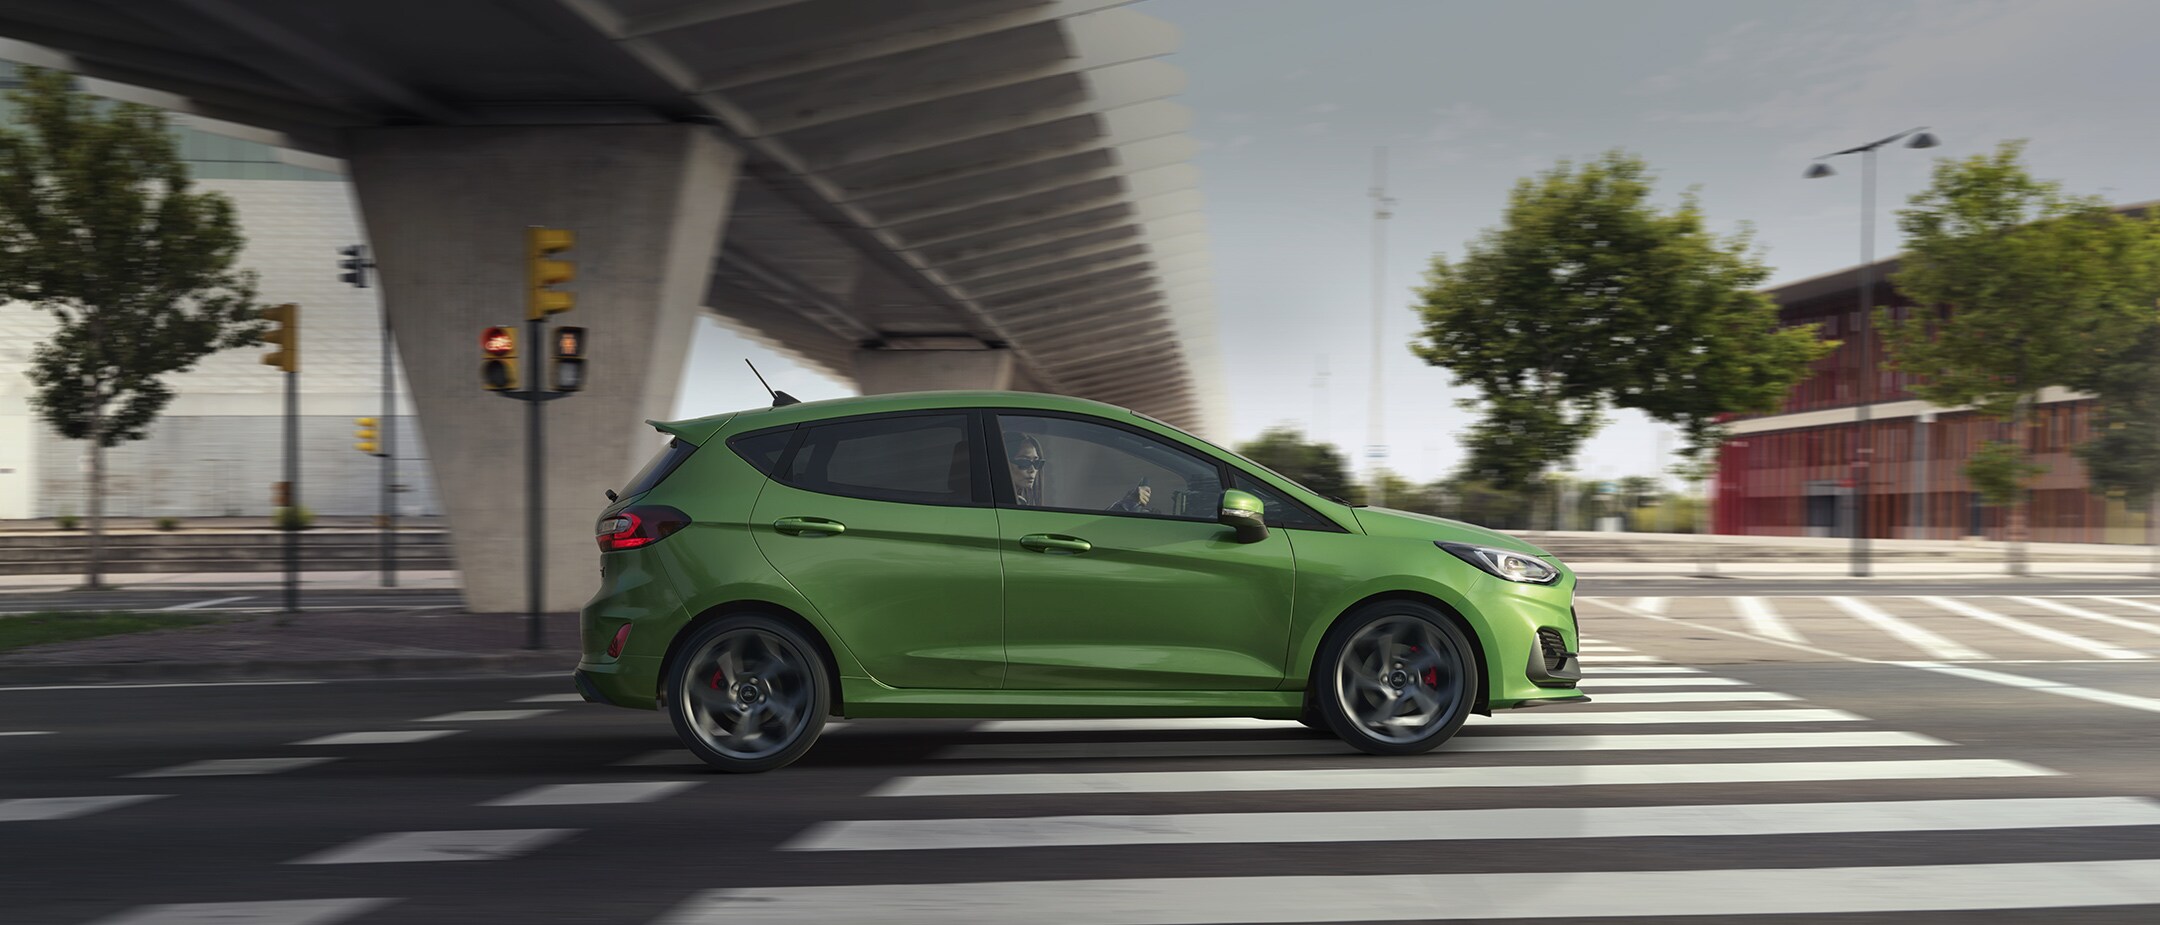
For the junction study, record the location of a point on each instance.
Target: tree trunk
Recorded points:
(2014, 527)
(95, 567)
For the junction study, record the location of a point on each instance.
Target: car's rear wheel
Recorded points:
(748, 693)
(1396, 678)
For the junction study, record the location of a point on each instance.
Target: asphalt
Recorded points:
(695, 846)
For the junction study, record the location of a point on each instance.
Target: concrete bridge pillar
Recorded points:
(446, 211)
(881, 372)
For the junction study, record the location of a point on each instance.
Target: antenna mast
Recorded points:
(1376, 441)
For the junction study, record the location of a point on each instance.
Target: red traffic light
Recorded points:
(498, 342)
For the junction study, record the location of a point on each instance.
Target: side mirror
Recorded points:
(1243, 512)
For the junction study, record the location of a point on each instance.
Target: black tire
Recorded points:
(1411, 680)
(1310, 716)
(772, 705)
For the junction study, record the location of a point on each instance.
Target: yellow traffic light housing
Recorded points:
(567, 366)
(543, 271)
(367, 434)
(285, 336)
(498, 359)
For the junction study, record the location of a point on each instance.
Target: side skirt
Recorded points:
(868, 698)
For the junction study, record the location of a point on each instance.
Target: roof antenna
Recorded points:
(779, 399)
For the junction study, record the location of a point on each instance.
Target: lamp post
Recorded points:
(1863, 446)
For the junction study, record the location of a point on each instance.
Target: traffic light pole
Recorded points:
(535, 480)
(292, 492)
(389, 458)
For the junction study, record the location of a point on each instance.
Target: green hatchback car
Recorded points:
(1010, 554)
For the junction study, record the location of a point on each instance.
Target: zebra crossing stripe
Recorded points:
(2111, 698)
(1685, 696)
(39, 809)
(2083, 614)
(2036, 631)
(1220, 748)
(1474, 824)
(1402, 778)
(1654, 605)
(272, 912)
(1762, 620)
(2129, 602)
(1647, 669)
(1429, 897)
(1919, 637)
(1570, 717)
(406, 847)
(1624, 659)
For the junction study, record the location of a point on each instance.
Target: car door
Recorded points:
(1105, 592)
(884, 524)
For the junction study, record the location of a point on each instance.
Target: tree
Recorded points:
(1588, 296)
(1317, 466)
(98, 227)
(2020, 287)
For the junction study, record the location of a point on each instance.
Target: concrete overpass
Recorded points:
(905, 193)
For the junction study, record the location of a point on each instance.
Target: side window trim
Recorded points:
(995, 438)
(975, 470)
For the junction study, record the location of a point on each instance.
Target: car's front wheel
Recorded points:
(748, 693)
(1396, 678)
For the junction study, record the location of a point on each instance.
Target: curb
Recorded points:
(401, 666)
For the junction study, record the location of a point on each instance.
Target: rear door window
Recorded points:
(919, 458)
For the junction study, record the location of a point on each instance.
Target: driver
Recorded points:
(1027, 463)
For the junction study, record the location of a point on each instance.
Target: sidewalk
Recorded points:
(433, 580)
(309, 646)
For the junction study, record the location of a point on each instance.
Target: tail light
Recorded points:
(639, 526)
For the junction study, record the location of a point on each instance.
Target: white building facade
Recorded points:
(218, 448)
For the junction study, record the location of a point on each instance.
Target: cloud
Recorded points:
(1459, 122)
(1322, 109)
(1237, 142)
(1313, 128)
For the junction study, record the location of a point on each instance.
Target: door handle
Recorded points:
(1053, 542)
(809, 526)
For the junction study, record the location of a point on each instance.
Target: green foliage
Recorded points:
(1589, 296)
(2123, 456)
(67, 521)
(292, 518)
(168, 524)
(2027, 287)
(1480, 502)
(1317, 466)
(2000, 470)
(98, 227)
(36, 629)
(2036, 284)
(1676, 514)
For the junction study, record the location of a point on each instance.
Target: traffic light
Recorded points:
(543, 271)
(367, 434)
(567, 369)
(285, 336)
(355, 264)
(498, 363)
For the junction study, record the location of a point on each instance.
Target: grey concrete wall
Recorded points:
(446, 210)
(223, 466)
(882, 372)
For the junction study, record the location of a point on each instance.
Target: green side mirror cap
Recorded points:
(1243, 512)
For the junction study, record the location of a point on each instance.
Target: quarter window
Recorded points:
(1068, 464)
(917, 458)
(1281, 511)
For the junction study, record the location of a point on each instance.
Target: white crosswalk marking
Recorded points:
(552, 698)
(2083, 614)
(1654, 605)
(1647, 669)
(485, 716)
(403, 847)
(232, 767)
(39, 809)
(1655, 681)
(1918, 637)
(26, 732)
(2036, 631)
(273, 912)
(1428, 897)
(1620, 659)
(583, 794)
(1211, 748)
(1471, 824)
(1685, 696)
(1763, 620)
(1401, 778)
(2111, 698)
(385, 737)
(1566, 717)
(2130, 602)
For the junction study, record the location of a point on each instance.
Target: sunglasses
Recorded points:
(1023, 462)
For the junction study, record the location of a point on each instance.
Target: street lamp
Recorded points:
(1914, 138)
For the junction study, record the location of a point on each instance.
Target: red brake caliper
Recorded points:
(1432, 677)
(716, 679)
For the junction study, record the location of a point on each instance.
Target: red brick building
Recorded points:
(1790, 473)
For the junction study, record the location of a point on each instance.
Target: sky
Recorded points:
(1290, 98)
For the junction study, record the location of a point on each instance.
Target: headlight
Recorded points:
(1504, 563)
